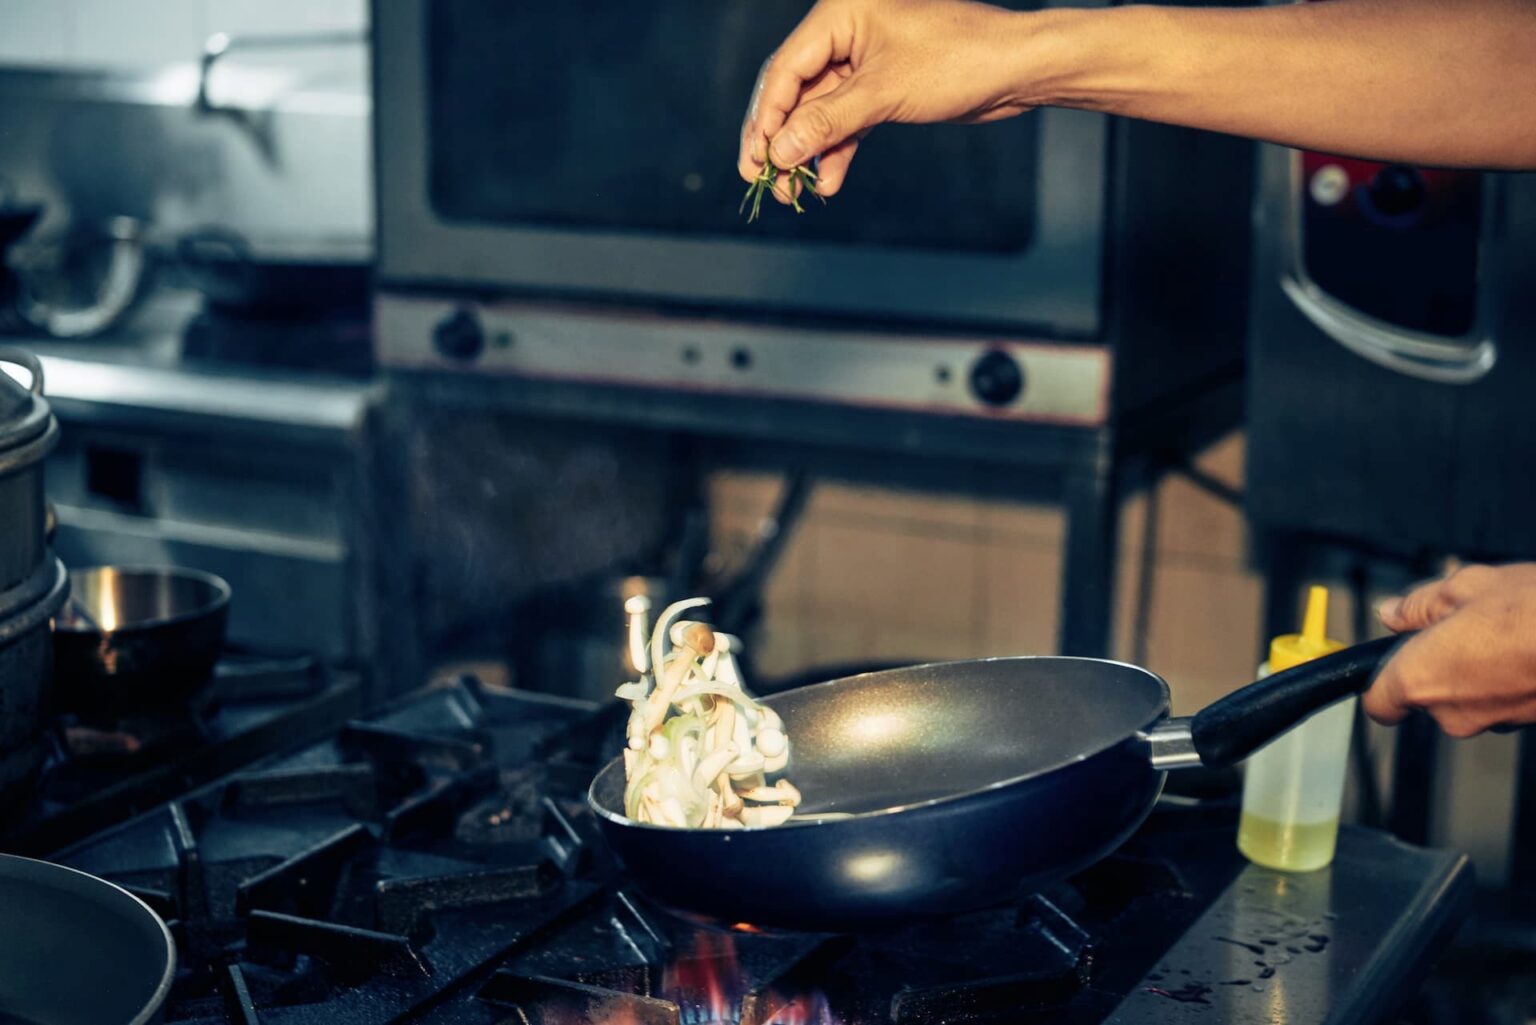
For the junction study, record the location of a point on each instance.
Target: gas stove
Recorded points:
(100, 774)
(434, 863)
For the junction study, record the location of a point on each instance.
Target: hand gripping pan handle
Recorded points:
(1230, 729)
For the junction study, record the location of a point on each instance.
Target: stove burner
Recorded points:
(434, 863)
(98, 774)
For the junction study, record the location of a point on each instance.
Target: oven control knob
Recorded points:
(997, 379)
(1397, 190)
(458, 336)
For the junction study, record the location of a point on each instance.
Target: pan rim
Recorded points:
(162, 990)
(222, 593)
(1160, 712)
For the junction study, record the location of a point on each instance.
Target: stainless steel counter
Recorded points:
(1343, 944)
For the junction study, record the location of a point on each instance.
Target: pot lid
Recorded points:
(24, 415)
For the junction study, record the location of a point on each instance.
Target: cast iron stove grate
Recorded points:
(102, 774)
(434, 862)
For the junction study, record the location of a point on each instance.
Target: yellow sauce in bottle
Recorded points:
(1289, 846)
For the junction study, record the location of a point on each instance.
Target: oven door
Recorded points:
(588, 150)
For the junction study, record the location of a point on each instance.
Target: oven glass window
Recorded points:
(591, 114)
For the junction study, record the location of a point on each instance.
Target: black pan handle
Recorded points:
(1229, 730)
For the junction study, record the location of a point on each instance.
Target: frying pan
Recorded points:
(967, 784)
(77, 950)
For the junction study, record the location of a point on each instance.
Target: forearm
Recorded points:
(1417, 81)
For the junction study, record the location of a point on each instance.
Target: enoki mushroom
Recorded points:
(700, 749)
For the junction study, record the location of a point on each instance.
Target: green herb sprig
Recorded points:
(801, 179)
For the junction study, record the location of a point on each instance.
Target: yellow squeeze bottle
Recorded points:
(1293, 788)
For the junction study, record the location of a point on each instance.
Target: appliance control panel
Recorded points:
(1398, 243)
(993, 378)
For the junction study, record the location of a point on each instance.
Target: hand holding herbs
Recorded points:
(700, 750)
(800, 179)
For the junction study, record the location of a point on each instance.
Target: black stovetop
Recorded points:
(435, 863)
(100, 774)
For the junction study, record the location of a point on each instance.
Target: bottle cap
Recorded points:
(1289, 650)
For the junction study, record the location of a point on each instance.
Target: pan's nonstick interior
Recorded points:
(887, 739)
(75, 950)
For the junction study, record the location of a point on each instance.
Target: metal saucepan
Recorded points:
(26, 667)
(77, 950)
(28, 432)
(136, 640)
(968, 783)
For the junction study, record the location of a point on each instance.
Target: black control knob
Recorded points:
(459, 336)
(1397, 190)
(997, 379)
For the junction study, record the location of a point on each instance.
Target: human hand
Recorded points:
(853, 64)
(1473, 663)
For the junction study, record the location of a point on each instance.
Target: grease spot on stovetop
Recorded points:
(1250, 947)
(1189, 993)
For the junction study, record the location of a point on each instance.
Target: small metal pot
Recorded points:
(26, 665)
(134, 641)
(28, 432)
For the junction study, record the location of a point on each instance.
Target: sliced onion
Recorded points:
(635, 691)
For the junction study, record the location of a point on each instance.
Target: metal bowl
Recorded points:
(136, 640)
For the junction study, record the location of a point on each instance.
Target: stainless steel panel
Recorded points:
(1063, 384)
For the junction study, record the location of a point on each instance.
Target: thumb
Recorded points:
(1429, 603)
(1422, 607)
(820, 124)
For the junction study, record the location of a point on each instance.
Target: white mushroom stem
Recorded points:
(664, 624)
(668, 679)
(694, 640)
(639, 610)
(782, 792)
(730, 804)
(767, 815)
(723, 725)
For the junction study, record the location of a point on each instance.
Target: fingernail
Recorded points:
(1388, 609)
(787, 150)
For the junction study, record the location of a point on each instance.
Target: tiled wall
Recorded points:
(117, 33)
(878, 574)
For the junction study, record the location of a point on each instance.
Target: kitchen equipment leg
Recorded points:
(1092, 504)
(1522, 848)
(1413, 778)
(1285, 566)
